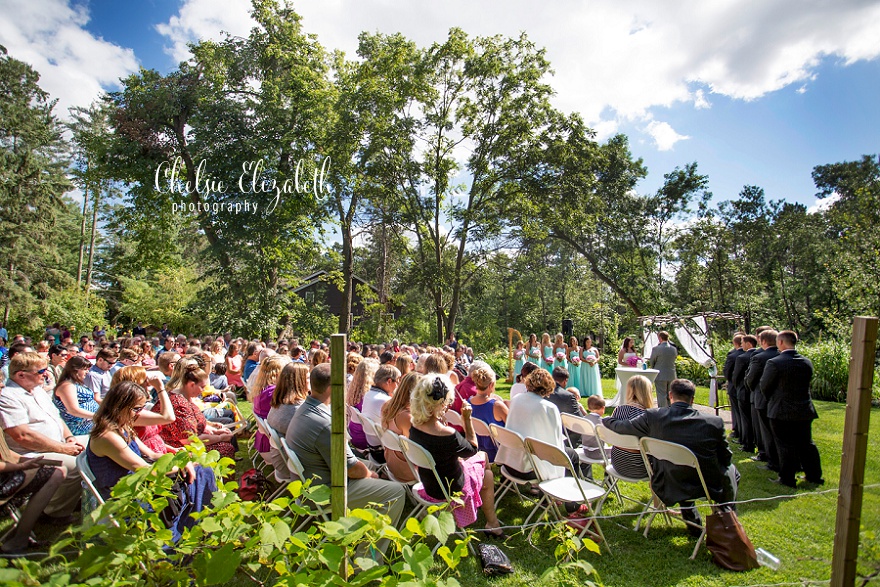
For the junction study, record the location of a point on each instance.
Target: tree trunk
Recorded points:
(82, 237)
(97, 200)
(7, 306)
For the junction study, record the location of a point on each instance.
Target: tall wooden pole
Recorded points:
(855, 452)
(338, 473)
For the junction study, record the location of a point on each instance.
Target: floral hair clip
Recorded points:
(438, 390)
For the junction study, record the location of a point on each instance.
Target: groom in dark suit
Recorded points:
(729, 362)
(703, 434)
(663, 359)
(760, 421)
(786, 385)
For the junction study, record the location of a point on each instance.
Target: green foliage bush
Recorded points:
(687, 368)
(251, 541)
(498, 360)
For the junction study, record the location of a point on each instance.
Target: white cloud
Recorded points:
(205, 19)
(823, 204)
(664, 135)
(74, 65)
(700, 101)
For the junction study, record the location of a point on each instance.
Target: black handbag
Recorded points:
(493, 560)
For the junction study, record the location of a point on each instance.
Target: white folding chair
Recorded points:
(482, 429)
(284, 480)
(680, 456)
(453, 418)
(297, 469)
(88, 482)
(513, 442)
(564, 489)
(371, 429)
(263, 427)
(421, 458)
(613, 477)
(391, 441)
(587, 429)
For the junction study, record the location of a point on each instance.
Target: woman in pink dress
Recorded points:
(234, 366)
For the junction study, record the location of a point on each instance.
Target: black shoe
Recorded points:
(693, 520)
(813, 482)
(779, 481)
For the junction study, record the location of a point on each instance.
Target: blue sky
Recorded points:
(756, 91)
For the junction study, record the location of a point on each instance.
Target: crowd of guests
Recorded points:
(125, 402)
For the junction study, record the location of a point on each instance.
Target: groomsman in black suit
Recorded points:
(728, 376)
(743, 403)
(760, 422)
(786, 384)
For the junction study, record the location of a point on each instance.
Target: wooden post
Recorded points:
(855, 451)
(338, 472)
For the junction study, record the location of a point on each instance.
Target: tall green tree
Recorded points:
(33, 164)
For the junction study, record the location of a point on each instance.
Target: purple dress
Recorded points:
(262, 405)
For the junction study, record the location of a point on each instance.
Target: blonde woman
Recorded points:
(264, 386)
(547, 351)
(357, 389)
(490, 410)
(638, 399)
(404, 363)
(397, 418)
(458, 460)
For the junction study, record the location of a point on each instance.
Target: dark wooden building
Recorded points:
(315, 289)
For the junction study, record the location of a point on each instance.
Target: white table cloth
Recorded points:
(623, 375)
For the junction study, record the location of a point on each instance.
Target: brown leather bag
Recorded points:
(727, 541)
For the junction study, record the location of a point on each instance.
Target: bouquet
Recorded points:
(576, 361)
(535, 353)
(518, 355)
(591, 360)
(560, 356)
(634, 361)
(548, 359)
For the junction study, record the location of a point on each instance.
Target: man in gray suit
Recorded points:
(663, 359)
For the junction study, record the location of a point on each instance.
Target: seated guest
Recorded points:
(309, 437)
(354, 396)
(99, 376)
(75, 402)
(533, 416)
(628, 462)
(167, 362)
(148, 423)
(590, 445)
(291, 390)
(703, 434)
(462, 466)
(566, 401)
(351, 363)
(404, 363)
(115, 451)
(264, 388)
(189, 420)
(26, 479)
(397, 418)
(32, 426)
(217, 377)
(385, 383)
(486, 405)
(519, 385)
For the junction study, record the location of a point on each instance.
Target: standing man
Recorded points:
(743, 398)
(165, 332)
(761, 424)
(786, 384)
(139, 330)
(728, 376)
(663, 359)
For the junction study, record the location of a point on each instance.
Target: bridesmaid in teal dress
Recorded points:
(519, 358)
(591, 378)
(534, 351)
(546, 352)
(559, 355)
(574, 365)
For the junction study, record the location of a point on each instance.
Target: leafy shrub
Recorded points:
(687, 368)
(607, 365)
(498, 360)
(257, 542)
(830, 368)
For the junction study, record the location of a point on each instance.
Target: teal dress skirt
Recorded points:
(574, 372)
(518, 363)
(561, 363)
(548, 352)
(591, 379)
(532, 358)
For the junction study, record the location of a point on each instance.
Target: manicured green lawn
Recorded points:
(800, 531)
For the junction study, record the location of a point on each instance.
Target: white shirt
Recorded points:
(532, 416)
(34, 408)
(374, 399)
(516, 389)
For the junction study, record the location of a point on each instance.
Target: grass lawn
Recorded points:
(800, 531)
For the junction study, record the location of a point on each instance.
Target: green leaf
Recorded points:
(419, 560)
(331, 555)
(221, 565)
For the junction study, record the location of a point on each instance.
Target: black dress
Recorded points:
(446, 451)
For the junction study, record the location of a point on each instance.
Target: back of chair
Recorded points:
(578, 425)
(611, 437)
(418, 456)
(481, 428)
(262, 426)
(371, 429)
(453, 418)
(353, 413)
(506, 437)
(548, 452)
(391, 440)
(678, 455)
(293, 462)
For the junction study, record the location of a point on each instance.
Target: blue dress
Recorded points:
(535, 359)
(560, 363)
(591, 380)
(486, 413)
(518, 363)
(574, 371)
(108, 472)
(548, 352)
(85, 397)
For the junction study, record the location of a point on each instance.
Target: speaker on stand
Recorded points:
(567, 328)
